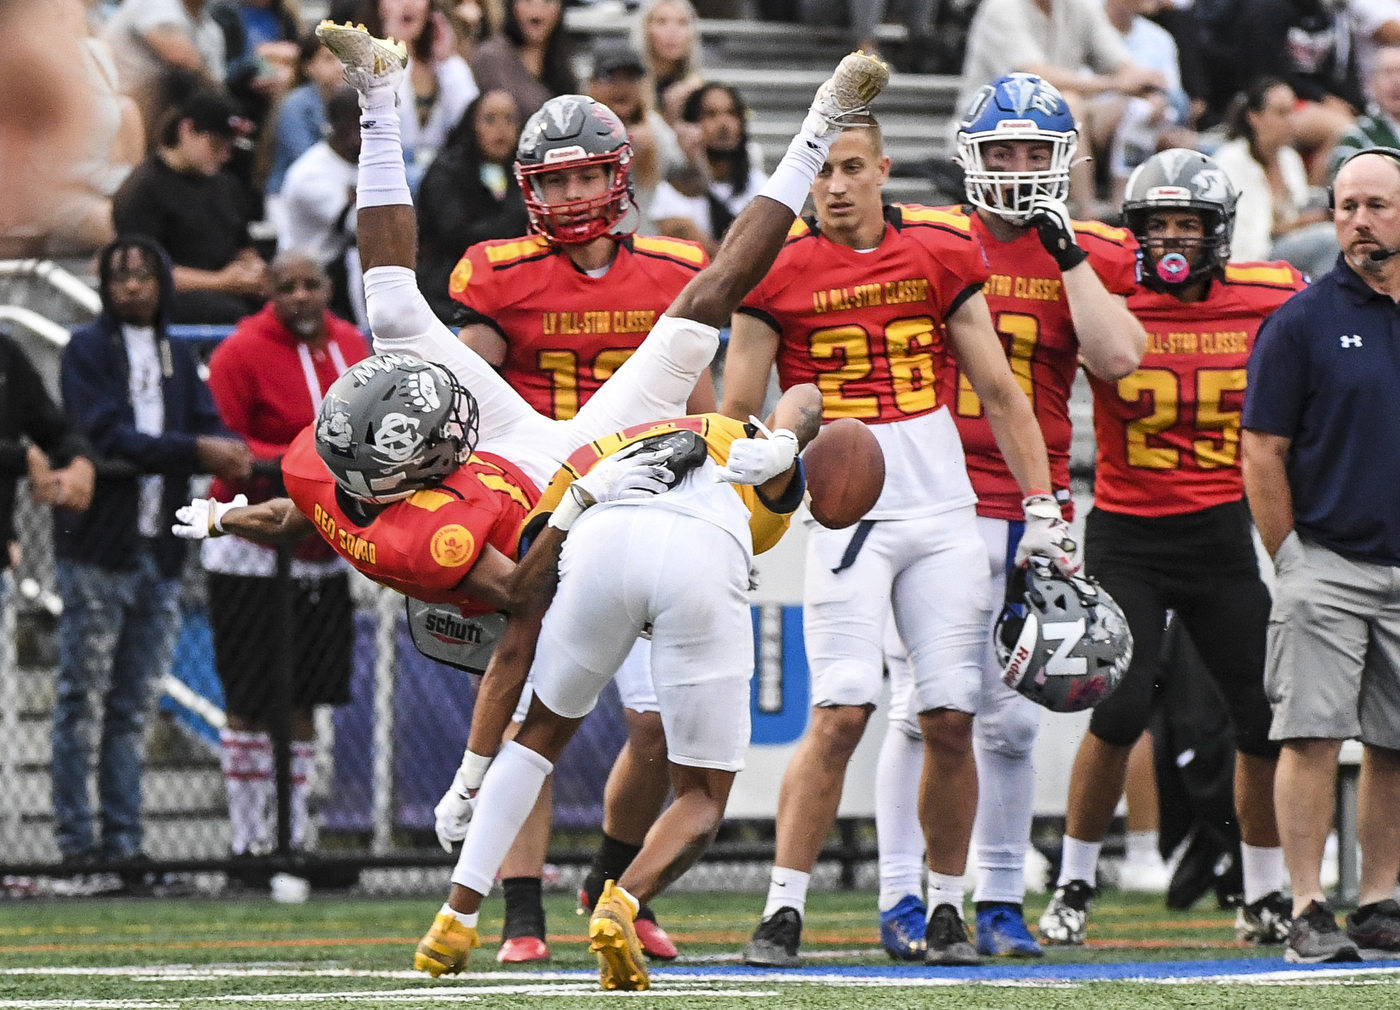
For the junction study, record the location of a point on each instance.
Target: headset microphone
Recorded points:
(1380, 255)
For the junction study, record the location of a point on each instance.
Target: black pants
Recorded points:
(1202, 566)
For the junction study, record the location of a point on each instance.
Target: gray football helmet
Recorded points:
(394, 424)
(1061, 641)
(569, 131)
(1179, 179)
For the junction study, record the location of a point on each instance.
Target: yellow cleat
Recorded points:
(845, 97)
(369, 62)
(613, 938)
(446, 947)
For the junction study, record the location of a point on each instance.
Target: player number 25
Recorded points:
(1161, 387)
(908, 348)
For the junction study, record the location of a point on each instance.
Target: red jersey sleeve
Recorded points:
(959, 265)
(1113, 253)
(475, 281)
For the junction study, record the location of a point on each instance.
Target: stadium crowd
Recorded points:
(1145, 188)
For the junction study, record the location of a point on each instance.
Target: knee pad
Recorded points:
(1010, 728)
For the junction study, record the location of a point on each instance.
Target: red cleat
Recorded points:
(523, 949)
(655, 943)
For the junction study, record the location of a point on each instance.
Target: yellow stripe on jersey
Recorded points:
(505, 252)
(1102, 230)
(911, 213)
(1281, 276)
(765, 526)
(501, 484)
(674, 248)
(430, 501)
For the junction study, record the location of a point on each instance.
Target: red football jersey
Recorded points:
(1031, 314)
(424, 545)
(1169, 434)
(566, 332)
(867, 327)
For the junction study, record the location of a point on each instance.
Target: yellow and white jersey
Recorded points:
(734, 507)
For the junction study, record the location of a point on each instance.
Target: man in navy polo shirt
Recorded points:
(1322, 472)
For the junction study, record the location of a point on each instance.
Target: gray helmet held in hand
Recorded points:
(1179, 179)
(394, 424)
(1061, 640)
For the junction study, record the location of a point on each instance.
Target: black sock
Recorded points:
(613, 857)
(524, 908)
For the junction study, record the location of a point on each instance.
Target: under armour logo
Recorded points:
(1352, 341)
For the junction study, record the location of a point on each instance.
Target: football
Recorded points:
(845, 473)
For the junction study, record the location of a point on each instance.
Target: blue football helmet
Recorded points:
(1016, 107)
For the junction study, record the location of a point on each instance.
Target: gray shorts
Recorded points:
(1333, 668)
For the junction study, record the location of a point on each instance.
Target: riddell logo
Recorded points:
(446, 628)
(1016, 666)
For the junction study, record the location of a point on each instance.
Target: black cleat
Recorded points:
(775, 941)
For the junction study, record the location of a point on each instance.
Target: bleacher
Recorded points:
(778, 67)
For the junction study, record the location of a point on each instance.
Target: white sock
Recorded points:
(303, 762)
(1001, 833)
(468, 919)
(898, 835)
(1079, 860)
(1263, 870)
(787, 889)
(246, 759)
(382, 181)
(1141, 847)
(944, 889)
(507, 796)
(792, 180)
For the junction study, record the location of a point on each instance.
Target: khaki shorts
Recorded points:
(1333, 669)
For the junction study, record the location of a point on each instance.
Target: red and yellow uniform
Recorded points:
(1025, 294)
(565, 331)
(766, 526)
(868, 329)
(1168, 435)
(424, 545)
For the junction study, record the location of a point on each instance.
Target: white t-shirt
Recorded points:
(137, 61)
(1364, 19)
(148, 403)
(318, 189)
(1254, 212)
(670, 202)
(1009, 35)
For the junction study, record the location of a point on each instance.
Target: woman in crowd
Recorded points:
(1276, 217)
(469, 195)
(529, 59)
(439, 85)
(668, 36)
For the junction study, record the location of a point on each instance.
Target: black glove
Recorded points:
(1052, 224)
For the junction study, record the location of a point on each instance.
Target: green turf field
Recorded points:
(211, 955)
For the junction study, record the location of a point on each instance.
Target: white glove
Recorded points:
(1048, 535)
(454, 811)
(204, 517)
(757, 460)
(622, 477)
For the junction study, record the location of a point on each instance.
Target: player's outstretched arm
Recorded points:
(273, 522)
(756, 236)
(799, 411)
(1013, 423)
(1111, 340)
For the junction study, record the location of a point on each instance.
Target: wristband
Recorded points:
(570, 507)
(473, 769)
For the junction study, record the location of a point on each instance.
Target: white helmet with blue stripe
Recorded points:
(1016, 107)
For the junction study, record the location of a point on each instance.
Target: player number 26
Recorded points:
(909, 345)
(1161, 389)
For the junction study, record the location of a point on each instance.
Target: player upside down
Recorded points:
(380, 468)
